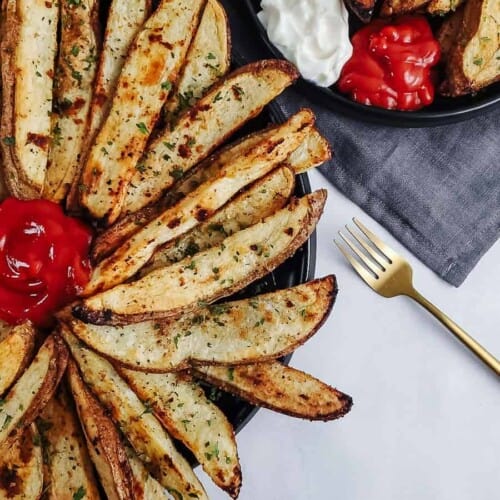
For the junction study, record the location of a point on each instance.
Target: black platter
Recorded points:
(442, 111)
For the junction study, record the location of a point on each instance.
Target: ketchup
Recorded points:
(43, 260)
(391, 64)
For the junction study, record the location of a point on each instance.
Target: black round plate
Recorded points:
(442, 111)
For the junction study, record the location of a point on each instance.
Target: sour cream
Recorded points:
(313, 34)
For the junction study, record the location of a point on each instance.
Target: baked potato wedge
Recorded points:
(473, 61)
(199, 205)
(362, 9)
(214, 273)
(398, 7)
(442, 7)
(68, 470)
(16, 350)
(21, 466)
(216, 116)
(279, 388)
(208, 60)
(142, 429)
(260, 200)
(103, 440)
(123, 23)
(33, 389)
(189, 416)
(239, 332)
(448, 32)
(27, 80)
(75, 72)
(145, 82)
(313, 151)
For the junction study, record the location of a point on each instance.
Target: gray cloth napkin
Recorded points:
(437, 190)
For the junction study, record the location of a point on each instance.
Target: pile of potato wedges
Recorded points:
(124, 113)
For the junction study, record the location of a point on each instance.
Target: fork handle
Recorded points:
(459, 333)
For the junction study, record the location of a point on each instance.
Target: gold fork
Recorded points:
(390, 275)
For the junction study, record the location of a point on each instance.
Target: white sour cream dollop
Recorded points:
(313, 34)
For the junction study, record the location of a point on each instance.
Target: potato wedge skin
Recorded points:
(239, 332)
(68, 469)
(398, 7)
(33, 389)
(27, 79)
(188, 415)
(75, 72)
(214, 118)
(15, 353)
(279, 388)
(141, 428)
(155, 57)
(199, 205)
(103, 441)
(271, 242)
(21, 470)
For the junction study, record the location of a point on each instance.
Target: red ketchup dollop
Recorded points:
(391, 64)
(44, 260)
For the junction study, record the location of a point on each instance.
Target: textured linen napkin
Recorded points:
(437, 190)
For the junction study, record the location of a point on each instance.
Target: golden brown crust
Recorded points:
(397, 7)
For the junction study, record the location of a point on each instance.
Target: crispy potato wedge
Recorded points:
(153, 62)
(208, 60)
(240, 332)
(215, 117)
(363, 9)
(103, 440)
(33, 389)
(314, 151)
(199, 205)
(398, 7)
(141, 428)
(259, 201)
(68, 469)
(75, 72)
(21, 467)
(16, 350)
(27, 80)
(214, 273)
(448, 32)
(123, 23)
(473, 61)
(189, 416)
(442, 7)
(279, 388)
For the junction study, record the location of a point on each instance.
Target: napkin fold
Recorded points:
(437, 190)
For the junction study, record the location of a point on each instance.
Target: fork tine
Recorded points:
(362, 257)
(368, 249)
(388, 252)
(363, 273)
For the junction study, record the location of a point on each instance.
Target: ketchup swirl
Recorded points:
(391, 64)
(44, 260)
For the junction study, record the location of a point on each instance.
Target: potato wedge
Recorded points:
(215, 273)
(34, 388)
(189, 416)
(240, 332)
(259, 201)
(153, 62)
(363, 9)
(15, 354)
(68, 469)
(140, 427)
(448, 32)
(199, 205)
(208, 60)
(314, 151)
(215, 117)
(279, 388)
(21, 467)
(398, 7)
(103, 440)
(123, 23)
(27, 80)
(75, 72)
(473, 61)
(442, 7)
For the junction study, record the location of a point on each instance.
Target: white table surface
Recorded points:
(425, 424)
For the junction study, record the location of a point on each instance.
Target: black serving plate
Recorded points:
(442, 111)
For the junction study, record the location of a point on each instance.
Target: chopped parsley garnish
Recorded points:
(142, 127)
